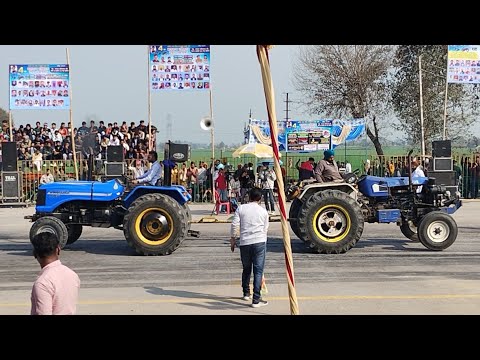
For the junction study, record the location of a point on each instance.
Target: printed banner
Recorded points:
(307, 136)
(463, 64)
(179, 67)
(44, 87)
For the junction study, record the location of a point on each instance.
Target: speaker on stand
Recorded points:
(9, 156)
(442, 148)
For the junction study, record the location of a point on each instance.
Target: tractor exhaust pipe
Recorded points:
(409, 159)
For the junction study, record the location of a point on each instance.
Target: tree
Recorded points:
(3, 115)
(346, 80)
(406, 95)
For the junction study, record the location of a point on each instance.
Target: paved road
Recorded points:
(384, 274)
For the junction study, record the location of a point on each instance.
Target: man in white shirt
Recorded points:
(417, 172)
(47, 178)
(250, 223)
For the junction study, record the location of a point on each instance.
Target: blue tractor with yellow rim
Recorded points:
(154, 219)
(330, 217)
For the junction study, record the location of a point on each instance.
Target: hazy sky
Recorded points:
(109, 83)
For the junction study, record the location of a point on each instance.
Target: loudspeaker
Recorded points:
(443, 164)
(11, 185)
(442, 148)
(9, 156)
(446, 178)
(114, 168)
(179, 152)
(115, 153)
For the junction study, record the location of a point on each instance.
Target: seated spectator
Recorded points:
(37, 160)
(47, 178)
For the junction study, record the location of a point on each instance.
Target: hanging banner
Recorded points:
(308, 136)
(179, 67)
(258, 131)
(463, 64)
(44, 87)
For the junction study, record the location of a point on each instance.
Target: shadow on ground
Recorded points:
(214, 302)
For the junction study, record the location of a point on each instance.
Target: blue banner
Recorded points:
(39, 87)
(179, 67)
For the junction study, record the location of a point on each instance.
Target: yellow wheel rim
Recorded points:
(154, 226)
(331, 223)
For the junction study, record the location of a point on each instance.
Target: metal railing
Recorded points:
(467, 177)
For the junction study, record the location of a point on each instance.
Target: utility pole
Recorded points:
(286, 108)
(287, 119)
(422, 130)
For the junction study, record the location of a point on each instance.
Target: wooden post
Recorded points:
(71, 119)
(150, 142)
(10, 125)
(212, 139)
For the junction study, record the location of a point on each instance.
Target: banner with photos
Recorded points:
(179, 67)
(44, 87)
(307, 136)
(463, 64)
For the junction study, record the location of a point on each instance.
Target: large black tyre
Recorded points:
(52, 225)
(74, 233)
(437, 231)
(155, 225)
(331, 222)
(409, 230)
(188, 214)
(293, 215)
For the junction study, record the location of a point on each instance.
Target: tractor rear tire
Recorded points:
(155, 225)
(74, 233)
(331, 221)
(293, 217)
(52, 225)
(409, 230)
(437, 231)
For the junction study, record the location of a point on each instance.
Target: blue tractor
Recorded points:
(330, 217)
(154, 219)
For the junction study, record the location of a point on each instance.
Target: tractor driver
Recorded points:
(153, 175)
(327, 169)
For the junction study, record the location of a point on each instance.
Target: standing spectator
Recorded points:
(221, 185)
(247, 179)
(417, 172)
(55, 292)
(250, 224)
(305, 170)
(458, 172)
(267, 179)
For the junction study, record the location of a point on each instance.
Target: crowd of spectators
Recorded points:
(52, 142)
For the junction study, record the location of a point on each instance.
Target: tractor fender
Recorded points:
(314, 188)
(177, 192)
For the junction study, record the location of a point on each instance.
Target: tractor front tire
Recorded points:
(188, 214)
(74, 233)
(331, 221)
(52, 225)
(437, 231)
(155, 225)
